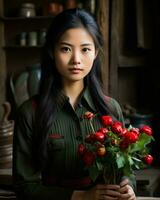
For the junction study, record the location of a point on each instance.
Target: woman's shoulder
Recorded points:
(114, 106)
(111, 101)
(29, 105)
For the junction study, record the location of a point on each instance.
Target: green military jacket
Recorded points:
(68, 130)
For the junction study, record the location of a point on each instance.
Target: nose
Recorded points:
(76, 58)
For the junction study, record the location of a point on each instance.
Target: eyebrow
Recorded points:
(85, 44)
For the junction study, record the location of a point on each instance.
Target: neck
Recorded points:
(73, 91)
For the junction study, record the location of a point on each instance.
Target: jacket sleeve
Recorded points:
(26, 177)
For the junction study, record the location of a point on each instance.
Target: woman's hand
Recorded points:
(126, 191)
(107, 192)
(102, 192)
(99, 192)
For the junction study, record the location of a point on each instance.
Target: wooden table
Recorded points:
(148, 198)
(150, 177)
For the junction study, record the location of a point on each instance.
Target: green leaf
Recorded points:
(143, 141)
(120, 161)
(136, 159)
(130, 160)
(130, 127)
(93, 172)
(99, 165)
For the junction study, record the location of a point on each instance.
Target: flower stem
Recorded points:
(109, 175)
(92, 126)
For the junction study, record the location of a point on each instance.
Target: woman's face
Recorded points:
(74, 55)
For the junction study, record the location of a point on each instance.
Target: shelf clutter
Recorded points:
(34, 35)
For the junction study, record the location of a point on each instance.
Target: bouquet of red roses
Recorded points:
(113, 150)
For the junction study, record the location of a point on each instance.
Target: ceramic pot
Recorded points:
(33, 79)
(6, 138)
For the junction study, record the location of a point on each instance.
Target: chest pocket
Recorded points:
(56, 142)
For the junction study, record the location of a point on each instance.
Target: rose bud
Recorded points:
(99, 137)
(148, 159)
(81, 149)
(90, 138)
(146, 129)
(117, 128)
(114, 142)
(88, 115)
(107, 120)
(88, 158)
(101, 151)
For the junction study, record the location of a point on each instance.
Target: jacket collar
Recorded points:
(84, 99)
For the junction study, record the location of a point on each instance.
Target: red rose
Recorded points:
(148, 159)
(88, 158)
(88, 115)
(146, 129)
(99, 137)
(131, 137)
(117, 128)
(107, 120)
(81, 149)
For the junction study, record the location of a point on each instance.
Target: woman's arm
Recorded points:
(26, 176)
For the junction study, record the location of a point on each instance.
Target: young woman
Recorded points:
(50, 126)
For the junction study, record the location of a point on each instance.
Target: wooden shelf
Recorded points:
(8, 47)
(26, 18)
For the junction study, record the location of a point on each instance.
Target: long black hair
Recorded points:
(50, 84)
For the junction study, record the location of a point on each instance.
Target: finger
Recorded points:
(124, 182)
(106, 197)
(112, 187)
(124, 189)
(128, 196)
(112, 193)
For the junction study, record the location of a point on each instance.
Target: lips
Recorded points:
(75, 70)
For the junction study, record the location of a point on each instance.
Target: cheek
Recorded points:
(60, 61)
(89, 61)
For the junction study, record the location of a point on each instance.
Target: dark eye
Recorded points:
(86, 49)
(65, 49)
